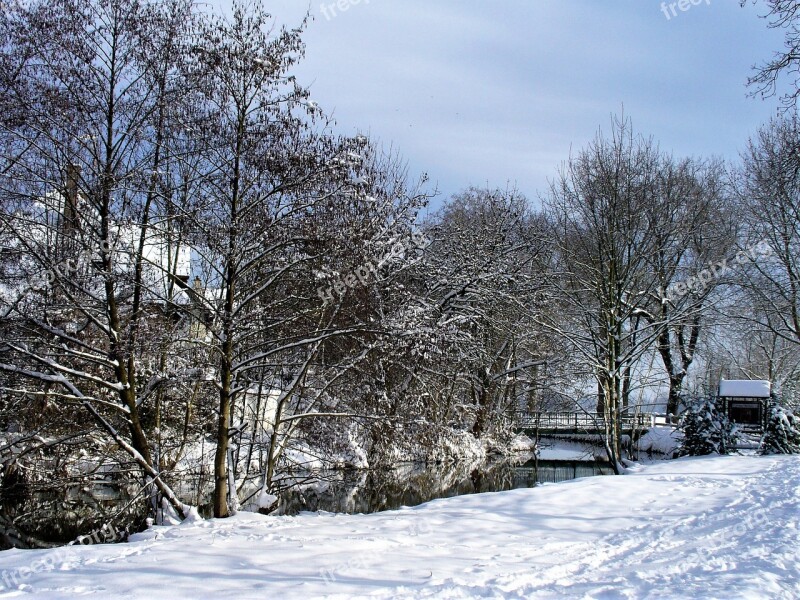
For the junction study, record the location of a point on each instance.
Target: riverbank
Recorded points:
(692, 528)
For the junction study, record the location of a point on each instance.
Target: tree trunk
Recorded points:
(220, 500)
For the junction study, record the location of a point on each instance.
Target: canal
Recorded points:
(56, 517)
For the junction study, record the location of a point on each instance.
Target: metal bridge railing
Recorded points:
(578, 421)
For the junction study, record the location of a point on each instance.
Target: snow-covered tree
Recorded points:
(604, 281)
(769, 189)
(483, 272)
(692, 226)
(706, 430)
(293, 230)
(84, 131)
(782, 435)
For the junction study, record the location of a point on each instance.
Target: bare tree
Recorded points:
(769, 188)
(80, 185)
(764, 309)
(604, 281)
(692, 230)
(781, 14)
(282, 199)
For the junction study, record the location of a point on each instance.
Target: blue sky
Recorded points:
(480, 92)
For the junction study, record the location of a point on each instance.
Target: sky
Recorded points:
(500, 93)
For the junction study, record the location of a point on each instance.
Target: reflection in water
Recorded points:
(409, 485)
(56, 517)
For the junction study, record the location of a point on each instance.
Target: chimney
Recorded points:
(71, 215)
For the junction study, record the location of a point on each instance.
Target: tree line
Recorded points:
(191, 255)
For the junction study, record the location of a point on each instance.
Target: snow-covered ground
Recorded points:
(722, 527)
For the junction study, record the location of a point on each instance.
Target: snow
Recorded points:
(356, 455)
(661, 440)
(522, 443)
(565, 450)
(718, 527)
(266, 500)
(733, 388)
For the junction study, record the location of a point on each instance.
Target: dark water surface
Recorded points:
(410, 485)
(104, 513)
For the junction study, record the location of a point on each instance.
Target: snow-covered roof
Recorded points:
(168, 257)
(160, 255)
(739, 388)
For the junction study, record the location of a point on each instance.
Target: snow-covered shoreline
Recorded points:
(721, 527)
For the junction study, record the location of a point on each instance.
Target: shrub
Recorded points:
(782, 435)
(706, 430)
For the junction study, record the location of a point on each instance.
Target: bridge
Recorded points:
(581, 422)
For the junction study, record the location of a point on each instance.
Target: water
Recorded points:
(412, 484)
(56, 517)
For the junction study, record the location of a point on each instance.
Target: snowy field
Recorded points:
(724, 527)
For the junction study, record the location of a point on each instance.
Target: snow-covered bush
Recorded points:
(706, 430)
(783, 433)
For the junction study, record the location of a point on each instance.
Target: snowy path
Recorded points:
(695, 528)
